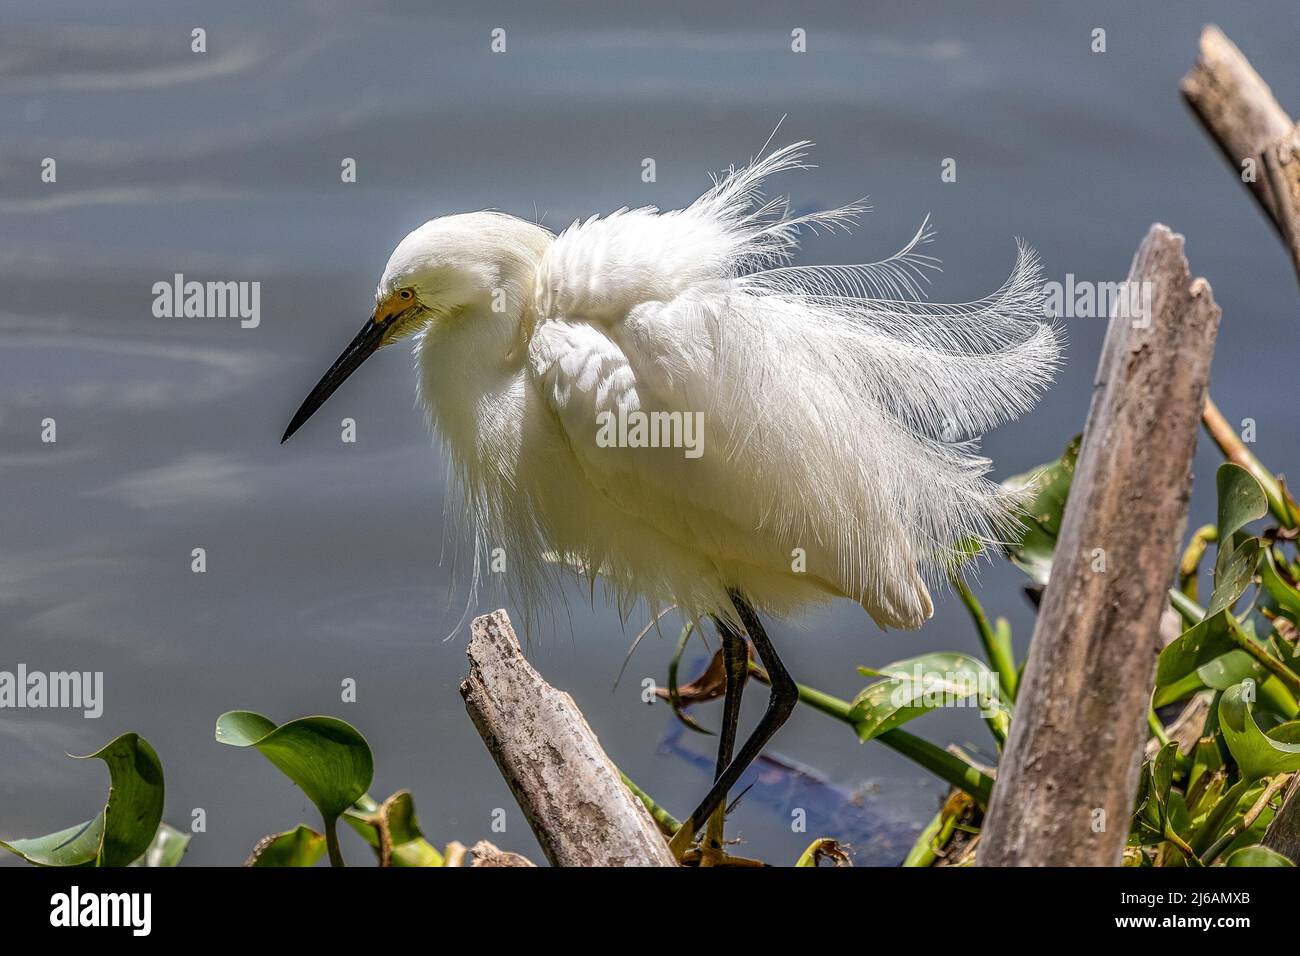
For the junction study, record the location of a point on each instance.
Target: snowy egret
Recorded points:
(662, 401)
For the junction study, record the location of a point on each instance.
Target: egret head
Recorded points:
(451, 268)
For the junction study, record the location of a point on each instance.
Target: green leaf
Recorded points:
(1180, 689)
(167, 848)
(124, 828)
(301, 846)
(1047, 488)
(75, 846)
(1257, 855)
(1287, 733)
(1233, 575)
(135, 799)
(1228, 669)
(1225, 810)
(1198, 645)
(1241, 501)
(324, 756)
(393, 821)
(1280, 596)
(1151, 818)
(1257, 754)
(920, 684)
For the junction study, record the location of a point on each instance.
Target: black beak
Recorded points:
(363, 346)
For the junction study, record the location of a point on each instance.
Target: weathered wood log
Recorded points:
(1068, 777)
(1239, 111)
(569, 791)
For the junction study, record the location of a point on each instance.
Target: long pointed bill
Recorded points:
(363, 346)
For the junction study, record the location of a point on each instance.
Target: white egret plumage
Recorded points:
(834, 404)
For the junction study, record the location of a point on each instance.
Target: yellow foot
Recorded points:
(709, 852)
(713, 854)
(680, 844)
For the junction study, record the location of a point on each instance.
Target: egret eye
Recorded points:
(405, 294)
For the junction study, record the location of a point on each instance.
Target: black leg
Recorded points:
(784, 696)
(735, 662)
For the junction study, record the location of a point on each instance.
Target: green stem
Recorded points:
(938, 833)
(922, 852)
(997, 643)
(662, 818)
(1283, 673)
(948, 767)
(1190, 564)
(332, 842)
(1157, 728)
(1187, 609)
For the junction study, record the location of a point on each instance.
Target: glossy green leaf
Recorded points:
(1257, 855)
(1257, 754)
(1228, 669)
(1180, 689)
(135, 799)
(1198, 645)
(1048, 488)
(920, 684)
(1280, 596)
(1241, 500)
(1151, 818)
(1233, 576)
(124, 828)
(327, 757)
(75, 846)
(301, 846)
(1287, 733)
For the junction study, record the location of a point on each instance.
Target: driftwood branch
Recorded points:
(1239, 111)
(572, 795)
(1283, 834)
(1282, 168)
(1068, 777)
